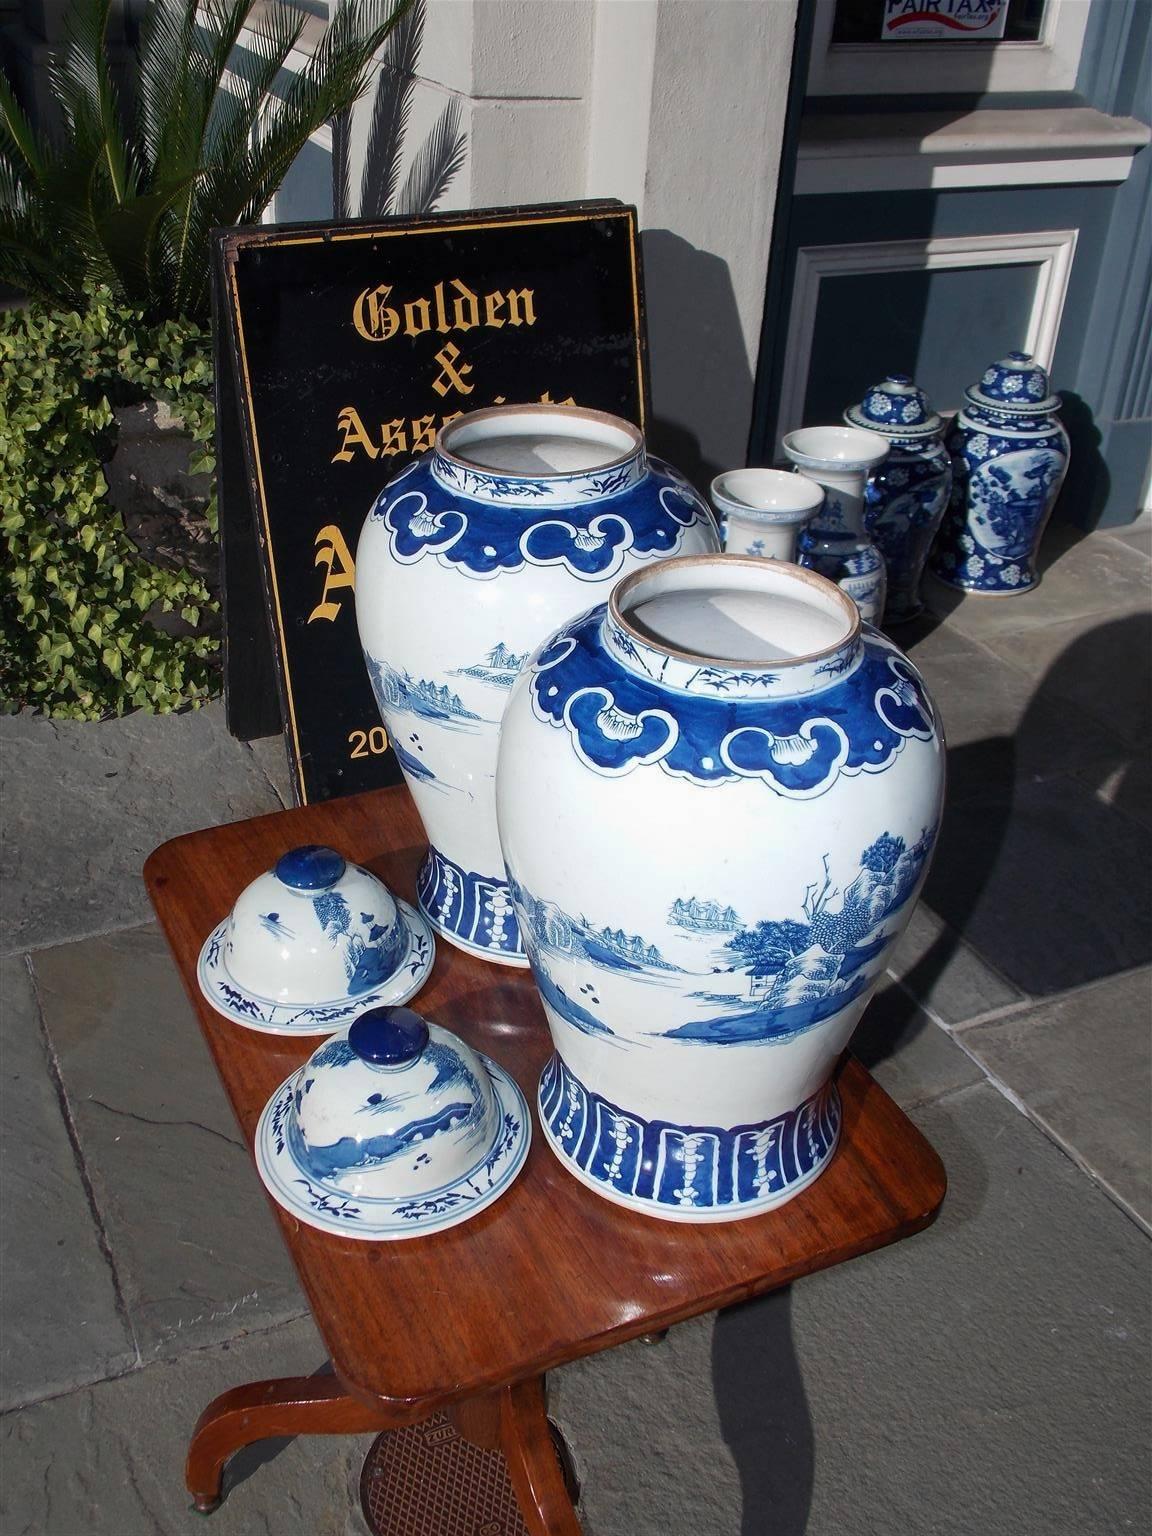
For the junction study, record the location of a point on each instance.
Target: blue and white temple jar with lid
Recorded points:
(907, 493)
(718, 794)
(519, 518)
(1009, 458)
(836, 542)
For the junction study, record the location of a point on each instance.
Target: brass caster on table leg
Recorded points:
(654, 1338)
(205, 1504)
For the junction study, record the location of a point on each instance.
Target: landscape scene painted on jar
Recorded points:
(500, 667)
(461, 1117)
(729, 980)
(398, 692)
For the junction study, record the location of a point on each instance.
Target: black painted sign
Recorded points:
(341, 351)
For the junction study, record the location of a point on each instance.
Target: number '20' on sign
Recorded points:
(369, 743)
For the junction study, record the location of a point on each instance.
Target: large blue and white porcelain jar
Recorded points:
(718, 794)
(1009, 458)
(907, 492)
(836, 543)
(520, 517)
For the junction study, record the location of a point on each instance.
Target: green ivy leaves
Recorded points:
(77, 599)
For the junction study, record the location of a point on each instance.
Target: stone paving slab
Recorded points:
(1079, 576)
(1048, 884)
(946, 974)
(908, 1054)
(272, 755)
(1083, 1066)
(984, 1376)
(85, 804)
(1137, 535)
(997, 720)
(1125, 784)
(109, 1460)
(197, 1249)
(1097, 672)
(62, 1326)
(987, 1376)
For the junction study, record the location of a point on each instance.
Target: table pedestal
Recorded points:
(512, 1420)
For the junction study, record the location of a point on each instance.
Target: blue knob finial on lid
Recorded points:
(310, 868)
(388, 1037)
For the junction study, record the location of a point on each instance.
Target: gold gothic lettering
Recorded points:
(355, 436)
(451, 306)
(339, 571)
(403, 435)
(453, 371)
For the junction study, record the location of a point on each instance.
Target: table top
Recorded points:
(551, 1271)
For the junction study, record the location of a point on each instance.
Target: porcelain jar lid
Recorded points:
(1016, 385)
(895, 408)
(310, 944)
(392, 1128)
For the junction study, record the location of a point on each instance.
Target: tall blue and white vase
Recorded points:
(836, 542)
(520, 517)
(906, 494)
(718, 794)
(1009, 458)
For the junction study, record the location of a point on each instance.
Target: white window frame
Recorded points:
(924, 69)
(1050, 251)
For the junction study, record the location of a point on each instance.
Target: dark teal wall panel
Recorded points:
(943, 327)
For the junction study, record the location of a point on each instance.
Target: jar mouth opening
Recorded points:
(735, 611)
(539, 442)
(834, 448)
(752, 491)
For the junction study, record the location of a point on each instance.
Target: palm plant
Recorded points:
(127, 195)
(439, 157)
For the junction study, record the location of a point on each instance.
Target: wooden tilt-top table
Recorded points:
(468, 1320)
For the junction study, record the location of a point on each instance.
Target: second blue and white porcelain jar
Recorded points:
(718, 795)
(907, 493)
(1009, 458)
(519, 518)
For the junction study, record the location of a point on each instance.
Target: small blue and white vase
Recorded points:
(718, 795)
(762, 512)
(907, 494)
(1009, 458)
(519, 518)
(836, 542)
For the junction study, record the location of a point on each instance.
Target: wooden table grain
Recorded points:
(469, 1320)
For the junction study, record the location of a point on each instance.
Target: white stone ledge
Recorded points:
(988, 148)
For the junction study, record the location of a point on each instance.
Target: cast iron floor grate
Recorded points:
(427, 1480)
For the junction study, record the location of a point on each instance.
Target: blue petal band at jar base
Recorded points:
(685, 1172)
(474, 911)
(521, 517)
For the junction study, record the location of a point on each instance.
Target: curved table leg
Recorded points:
(295, 1405)
(533, 1464)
